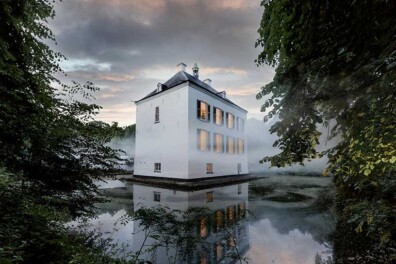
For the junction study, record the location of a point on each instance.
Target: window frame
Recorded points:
(157, 115)
(227, 120)
(157, 196)
(199, 143)
(199, 112)
(156, 166)
(215, 116)
(215, 142)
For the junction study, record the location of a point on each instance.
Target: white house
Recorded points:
(187, 130)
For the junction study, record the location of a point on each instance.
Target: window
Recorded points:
(203, 230)
(240, 124)
(157, 115)
(218, 116)
(218, 143)
(230, 145)
(219, 251)
(231, 213)
(157, 167)
(209, 168)
(219, 220)
(239, 188)
(203, 140)
(157, 197)
(241, 146)
(241, 210)
(209, 197)
(230, 120)
(239, 168)
(203, 111)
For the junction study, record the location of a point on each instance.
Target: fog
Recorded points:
(259, 144)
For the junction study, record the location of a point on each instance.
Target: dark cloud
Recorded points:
(126, 47)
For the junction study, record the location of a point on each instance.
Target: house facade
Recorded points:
(185, 129)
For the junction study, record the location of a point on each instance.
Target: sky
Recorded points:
(127, 47)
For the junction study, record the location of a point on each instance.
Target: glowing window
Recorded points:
(218, 116)
(203, 111)
(203, 228)
(209, 168)
(230, 120)
(230, 145)
(203, 140)
(219, 220)
(231, 214)
(218, 143)
(241, 146)
(209, 197)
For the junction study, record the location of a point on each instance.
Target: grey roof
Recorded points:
(182, 77)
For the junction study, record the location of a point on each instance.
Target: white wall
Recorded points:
(173, 141)
(164, 142)
(223, 163)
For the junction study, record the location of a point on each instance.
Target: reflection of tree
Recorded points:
(191, 234)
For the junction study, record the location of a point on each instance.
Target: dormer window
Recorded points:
(203, 111)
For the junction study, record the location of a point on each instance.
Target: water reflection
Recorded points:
(275, 232)
(222, 229)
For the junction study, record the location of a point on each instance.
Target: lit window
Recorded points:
(203, 111)
(157, 115)
(241, 210)
(157, 197)
(230, 120)
(218, 116)
(203, 140)
(203, 258)
(157, 167)
(209, 168)
(231, 241)
(219, 220)
(209, 197)
(230, 145)
(241, 146)
(203, 228)
(218, 143)
(219, 251)
(231, 214)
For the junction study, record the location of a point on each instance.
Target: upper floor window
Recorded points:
(240, 124)
(218, 141)
(157, 167)
(230, 120)
(218, 116)
(157, 115)
(203, 111)
(209, 197)
(241, 146)
(203, 140)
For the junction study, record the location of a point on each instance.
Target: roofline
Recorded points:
(193, 84)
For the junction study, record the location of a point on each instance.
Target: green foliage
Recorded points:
(336, 60)
(50, 143)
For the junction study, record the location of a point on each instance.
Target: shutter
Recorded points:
(198, 138)
(198, 109)
(208, 112)
(208, 141)
(222, 117)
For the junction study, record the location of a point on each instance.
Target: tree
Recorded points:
(51, 148)
(336, 60)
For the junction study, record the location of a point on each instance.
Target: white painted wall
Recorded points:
(165, 142)
(173, 141)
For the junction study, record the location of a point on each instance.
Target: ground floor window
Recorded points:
(157, 167)
(241, 146)
(203, 140)
(209, 197)
(157, 197)
(209, 168)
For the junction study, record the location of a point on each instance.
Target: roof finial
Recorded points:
(195, 70)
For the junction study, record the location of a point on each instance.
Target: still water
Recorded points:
(280, 225)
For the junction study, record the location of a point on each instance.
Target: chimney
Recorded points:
(182, 66)
(159, 87)
(208, 82)
(195, 70)
(223, 94)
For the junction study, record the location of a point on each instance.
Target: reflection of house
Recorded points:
(185, 129)
(227, 205)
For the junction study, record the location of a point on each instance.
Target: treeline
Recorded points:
(336, 61)
(51, 148)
